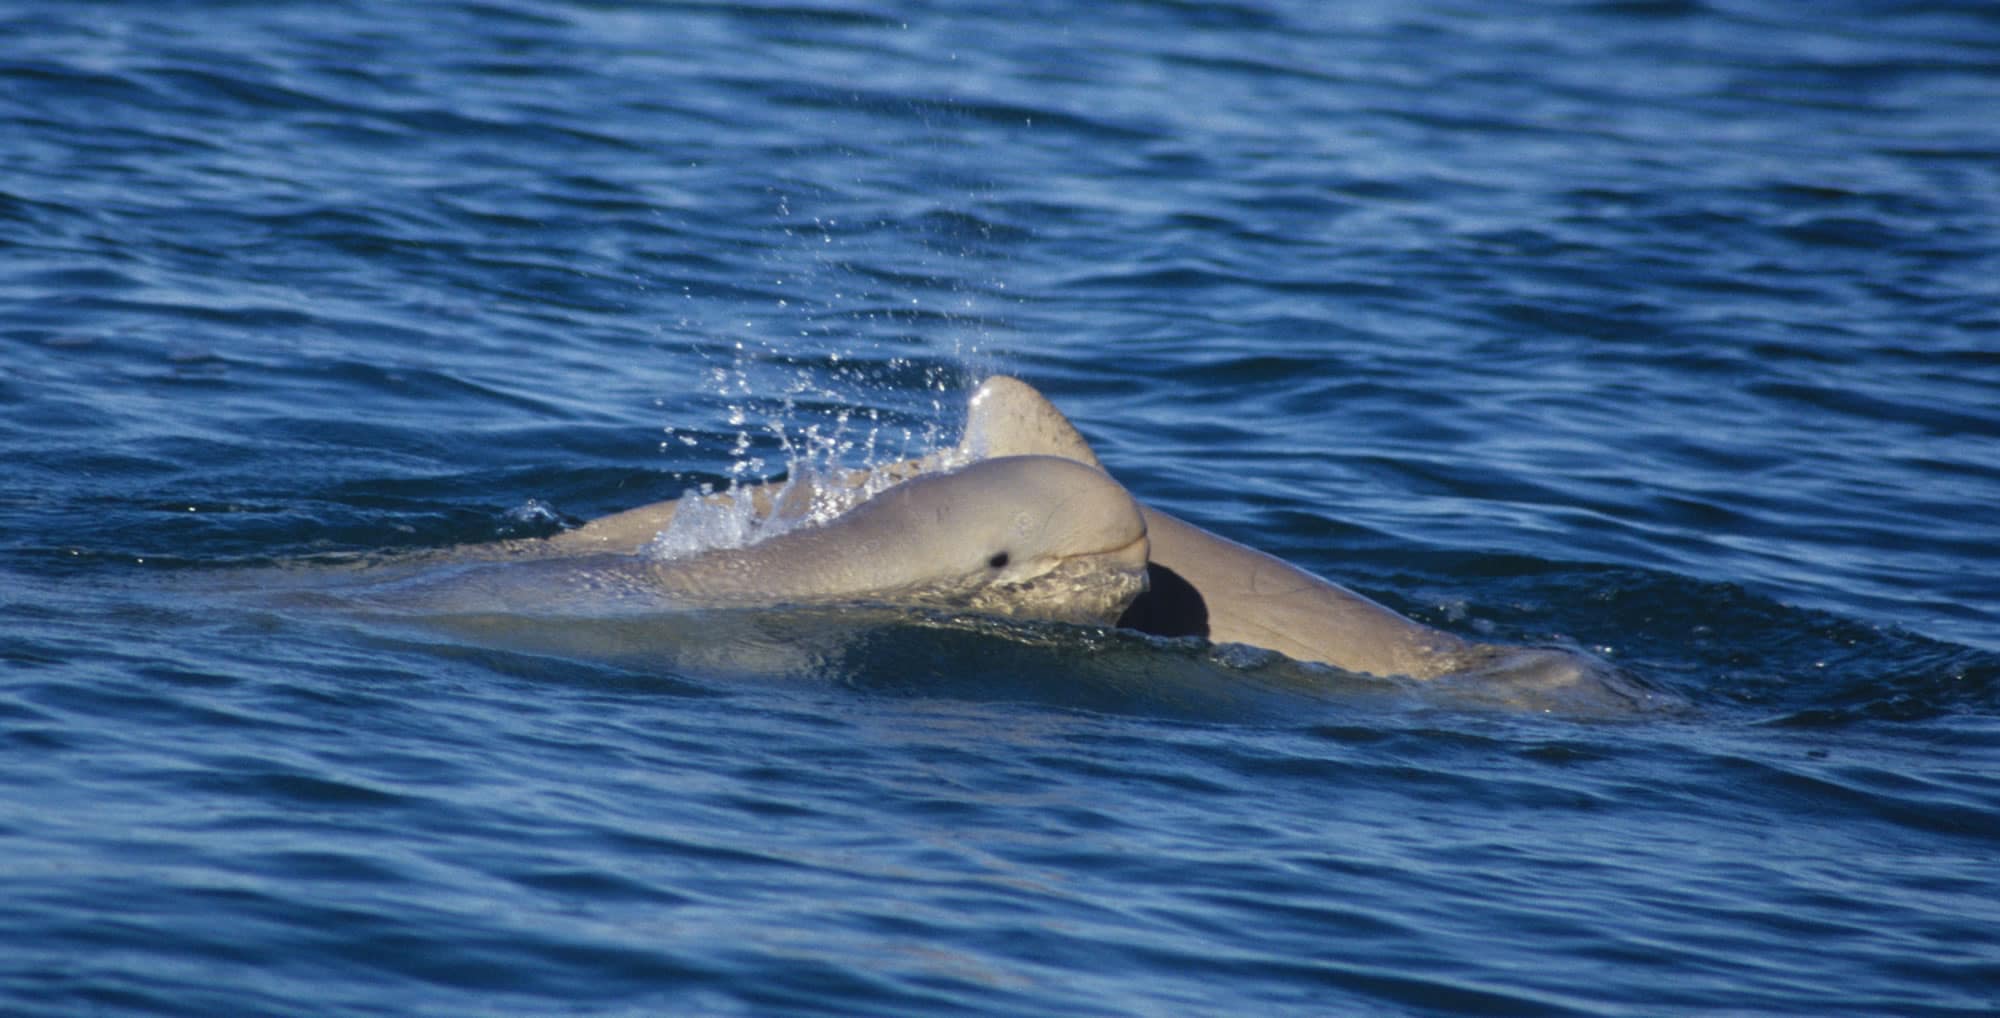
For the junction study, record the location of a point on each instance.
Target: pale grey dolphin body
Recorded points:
(1199, 583)
(1034, 537)
(1206, 585)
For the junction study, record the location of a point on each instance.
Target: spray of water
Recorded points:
(854, 362)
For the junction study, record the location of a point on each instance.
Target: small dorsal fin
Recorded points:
(1009, 417)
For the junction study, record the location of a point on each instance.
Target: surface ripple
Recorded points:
(1661, 329)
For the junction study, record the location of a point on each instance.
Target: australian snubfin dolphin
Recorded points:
(1205, 585)
(1033, 537)
(1196, 582)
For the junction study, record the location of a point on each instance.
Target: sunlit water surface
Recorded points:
(1667, 330)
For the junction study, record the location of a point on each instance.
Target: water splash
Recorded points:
(850, 364)
(807, 452)
(708, 519)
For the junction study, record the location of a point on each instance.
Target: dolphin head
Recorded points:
(1026, 536)
(1034, 537)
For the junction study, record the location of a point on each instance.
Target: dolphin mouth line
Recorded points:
(1125, 552)
(1090, 588)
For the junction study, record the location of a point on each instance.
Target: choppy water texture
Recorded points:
(1666, 329)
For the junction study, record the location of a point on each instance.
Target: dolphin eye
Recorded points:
(998, 561)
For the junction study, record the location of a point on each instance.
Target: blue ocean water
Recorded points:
(1667, 329)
